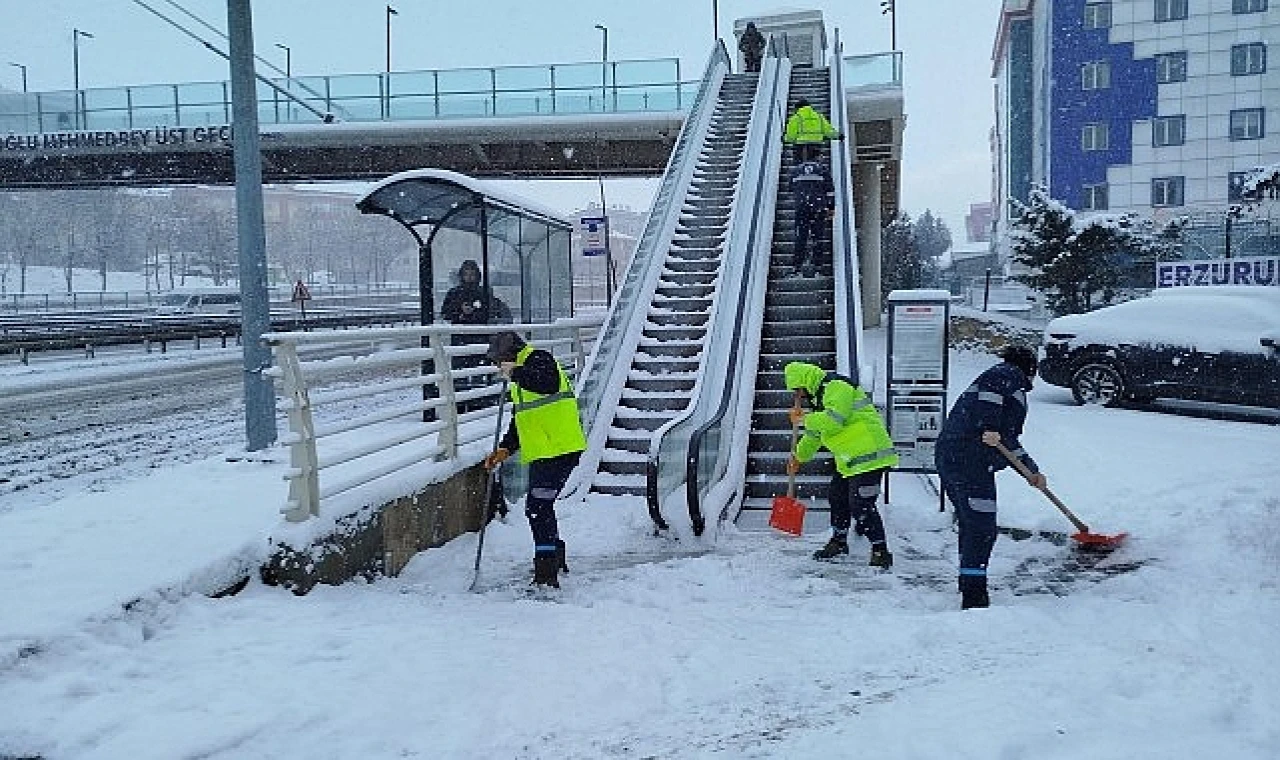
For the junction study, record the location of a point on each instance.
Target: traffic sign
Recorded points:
(595, 235)
(300, 292)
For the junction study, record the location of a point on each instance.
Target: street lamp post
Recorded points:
(24, 75)
(288, 63)
(76, 34)
(390, 12)
(715, 20)
(890, 7)
(604, 66)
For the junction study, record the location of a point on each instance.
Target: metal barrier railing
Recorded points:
(844, 242)
(574, 88)
(397, 434)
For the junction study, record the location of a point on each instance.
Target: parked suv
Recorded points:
(1217, 343)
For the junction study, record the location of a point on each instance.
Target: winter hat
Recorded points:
(1022, 357)
(504, 347)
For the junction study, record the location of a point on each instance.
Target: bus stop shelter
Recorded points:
(522, 248)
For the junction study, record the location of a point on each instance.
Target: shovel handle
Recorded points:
(1024, 472)
(791, 451)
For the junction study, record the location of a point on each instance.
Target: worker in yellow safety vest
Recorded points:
(806, 130)
(546, 430)
(846, 423)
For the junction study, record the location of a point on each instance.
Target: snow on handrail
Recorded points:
(392, 432)
(844, 244)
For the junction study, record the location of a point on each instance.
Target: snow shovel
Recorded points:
(788, 511)
(1083, 535)
(488, 487)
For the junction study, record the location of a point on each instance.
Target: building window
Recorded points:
(1168, 130)
(1097, 15)
(1248, 6)
(1095, 75)
(1171, 67)
(1235, 185)
(1247, 124)
(1095, 198)
(1167, 191)
(1248, 59)
(1094, 136)
(1171, 10)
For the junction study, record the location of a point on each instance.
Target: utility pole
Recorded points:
(259, 393)
(715, 20)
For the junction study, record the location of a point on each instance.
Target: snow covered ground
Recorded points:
(738, 648)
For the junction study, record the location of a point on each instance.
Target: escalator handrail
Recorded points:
(844, 243)
(761, 228)
(605, 375)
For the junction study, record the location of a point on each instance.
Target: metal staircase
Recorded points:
(665, 364)
(799, 325)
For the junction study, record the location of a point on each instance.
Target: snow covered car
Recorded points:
(1218, 343)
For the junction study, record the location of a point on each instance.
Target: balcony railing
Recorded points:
(873, 71)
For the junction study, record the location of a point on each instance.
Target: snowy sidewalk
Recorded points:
(187, 529)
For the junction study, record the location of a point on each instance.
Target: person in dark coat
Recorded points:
(470, 303)
(815, 200)
(752, 45)
(991, 410)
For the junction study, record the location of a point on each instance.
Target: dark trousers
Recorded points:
(808, 228)
(853, 499)
(752, 62)
(971, 487)
(546, 478)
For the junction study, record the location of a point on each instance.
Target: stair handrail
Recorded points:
(677, 459)
(844, 239)
(606, 375)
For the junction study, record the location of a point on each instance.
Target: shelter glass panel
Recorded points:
(466, 81)
(506, 267)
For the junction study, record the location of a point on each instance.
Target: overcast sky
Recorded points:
(946, 44)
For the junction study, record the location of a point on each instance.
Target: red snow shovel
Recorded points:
(1083, 536)
(788, 511)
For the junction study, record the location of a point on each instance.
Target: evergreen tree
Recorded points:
(1077, 269)
(933, 238)
(901, 266)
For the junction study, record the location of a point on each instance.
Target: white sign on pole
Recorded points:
(595, 235)
(919, 341)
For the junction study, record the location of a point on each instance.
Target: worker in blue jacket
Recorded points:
(991, 410)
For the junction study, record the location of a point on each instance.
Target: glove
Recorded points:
(990, 437)
(1038, 480)
(498, 456)
(796, 415)
(505, 368)
(793, 465)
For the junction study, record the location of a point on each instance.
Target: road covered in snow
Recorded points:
(739, 646)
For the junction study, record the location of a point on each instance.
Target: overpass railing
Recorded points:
(573, 88)
(392, 432)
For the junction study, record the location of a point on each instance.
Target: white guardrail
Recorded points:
(367, 367)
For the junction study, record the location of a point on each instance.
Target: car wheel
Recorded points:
(1097, 383)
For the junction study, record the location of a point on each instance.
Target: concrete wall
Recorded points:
(381, 539)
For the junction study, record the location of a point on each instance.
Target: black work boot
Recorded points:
(544, 570)
(560, 556)
(973, 593)
(881, 557)
(835, 547)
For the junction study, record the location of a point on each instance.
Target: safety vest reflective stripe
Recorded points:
(873, 456)
(988, 396)
(554, 397)
(857, 405)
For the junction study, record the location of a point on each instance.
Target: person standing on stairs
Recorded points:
(992, 410)
(815, 201)
(807, 130)
(547, 430)
(752, 45)
(846, 423)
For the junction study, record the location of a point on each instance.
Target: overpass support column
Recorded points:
(866, 208)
